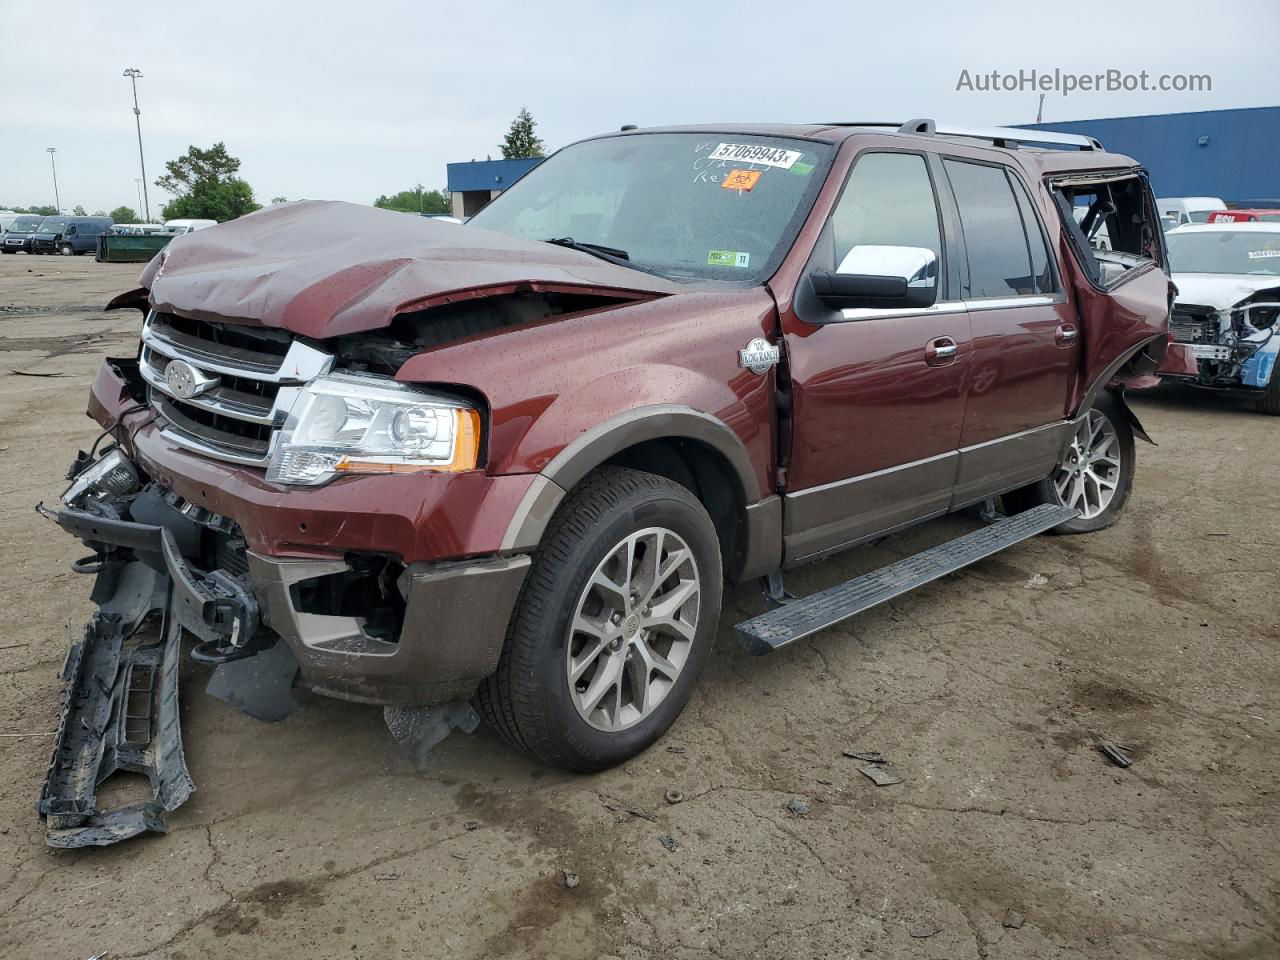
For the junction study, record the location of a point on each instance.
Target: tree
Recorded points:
(78, 211)
(279, 199)
(416, 200)
(205, 186)
(48, 210)
(124, 215)
(521, 141)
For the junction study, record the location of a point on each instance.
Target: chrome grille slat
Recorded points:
(236, 421)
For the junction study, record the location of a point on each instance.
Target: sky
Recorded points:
(347, 101)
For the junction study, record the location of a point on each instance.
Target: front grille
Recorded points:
(243, 376)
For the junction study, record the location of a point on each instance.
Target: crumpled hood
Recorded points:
(322, 268)
(1220, 291)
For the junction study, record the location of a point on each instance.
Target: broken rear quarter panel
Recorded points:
(549, 383)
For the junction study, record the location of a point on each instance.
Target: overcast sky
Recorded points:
(349, 100)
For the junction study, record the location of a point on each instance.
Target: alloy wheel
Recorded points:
(1089, 475)
(633, 629)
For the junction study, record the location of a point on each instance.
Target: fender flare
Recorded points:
(592, 448)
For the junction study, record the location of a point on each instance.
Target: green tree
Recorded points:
(124, 215)
(279, 199)
(48, 210)
(78, 211)
(205, 186)
(416, 200)
(521, 141)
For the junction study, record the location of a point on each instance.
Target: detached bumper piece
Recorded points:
(119, 713)
(801, 618)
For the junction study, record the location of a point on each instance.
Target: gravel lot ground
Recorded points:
(989, 690)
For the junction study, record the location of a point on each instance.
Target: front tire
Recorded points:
(66, 250)
(613, 626)
(1095, 474)
(1269, 402)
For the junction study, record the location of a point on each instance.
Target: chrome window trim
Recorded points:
(955, 306)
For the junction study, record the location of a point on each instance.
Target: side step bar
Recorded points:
(805, 617)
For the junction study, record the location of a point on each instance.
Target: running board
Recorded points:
(806, 616)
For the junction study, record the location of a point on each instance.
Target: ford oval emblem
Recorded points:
(181, 378)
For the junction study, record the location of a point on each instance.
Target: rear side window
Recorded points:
(996, 235)
(888, 200)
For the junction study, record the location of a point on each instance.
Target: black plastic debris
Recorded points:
(418, 730)
(670, 842)
(119, 714)
(1115, 754)
(870, 756)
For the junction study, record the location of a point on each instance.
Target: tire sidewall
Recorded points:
(569, 732)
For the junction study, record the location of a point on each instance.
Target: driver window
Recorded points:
(888, 201)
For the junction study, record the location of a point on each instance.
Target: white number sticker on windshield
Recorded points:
(754, 153)
(1263, 254)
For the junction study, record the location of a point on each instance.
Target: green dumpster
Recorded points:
(113, 248)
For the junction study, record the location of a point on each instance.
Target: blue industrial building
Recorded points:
(474, 184)
(1232, 154)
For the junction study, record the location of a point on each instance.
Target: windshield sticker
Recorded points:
(754, 153)
(742, 180)
(728, 258)
(1263, 254)
(803, 169)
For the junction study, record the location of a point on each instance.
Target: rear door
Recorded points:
(877, 394)
(1026, 341)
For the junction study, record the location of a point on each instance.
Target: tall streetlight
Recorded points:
(138, 183)
(53, 164)
(133, 73)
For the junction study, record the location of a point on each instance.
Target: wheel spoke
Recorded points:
(614, 594)
(665, 613)
(608, 676)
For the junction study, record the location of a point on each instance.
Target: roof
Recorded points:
(1043, 161)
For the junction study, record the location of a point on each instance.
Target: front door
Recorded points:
(878, 394)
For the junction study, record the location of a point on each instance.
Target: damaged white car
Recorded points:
(1227, 312)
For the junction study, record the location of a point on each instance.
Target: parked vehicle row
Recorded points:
(75, 236)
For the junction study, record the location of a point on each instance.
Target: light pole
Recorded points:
(138, 183)
(133, 73)
(53, 164)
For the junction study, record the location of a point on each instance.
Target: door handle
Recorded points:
(940, 351)
(1066, 334)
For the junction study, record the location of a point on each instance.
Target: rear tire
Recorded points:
(1099, 478)
(1269, 402)
(613, 625)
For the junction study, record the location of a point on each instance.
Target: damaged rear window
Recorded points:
(1112, 223)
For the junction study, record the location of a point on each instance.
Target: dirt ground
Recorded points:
(989, 690)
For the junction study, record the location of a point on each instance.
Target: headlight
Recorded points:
(346, 423)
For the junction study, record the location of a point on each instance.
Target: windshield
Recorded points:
(25, 225)
(52, 225)
(685, 205)
(1226, 251)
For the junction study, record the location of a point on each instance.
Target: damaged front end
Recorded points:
(1235, 347)
(120, 699)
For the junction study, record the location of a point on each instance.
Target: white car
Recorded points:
(1228, 307)
(180, 227)
(1182, 210)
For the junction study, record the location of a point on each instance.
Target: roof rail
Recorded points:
(999, 136)
(1002, 136)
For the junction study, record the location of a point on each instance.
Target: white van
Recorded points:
(187, 226)
(135, 229)
(6, 220)
(1188, 209)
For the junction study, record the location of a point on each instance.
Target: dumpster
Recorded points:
(114, 248)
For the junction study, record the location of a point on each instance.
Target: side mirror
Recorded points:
(879, 275)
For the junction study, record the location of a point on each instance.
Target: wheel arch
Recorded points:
(687, 446)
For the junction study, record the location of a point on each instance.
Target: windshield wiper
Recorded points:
(595, 249)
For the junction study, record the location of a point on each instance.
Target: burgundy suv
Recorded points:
(510, 464)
